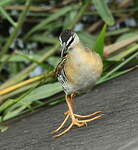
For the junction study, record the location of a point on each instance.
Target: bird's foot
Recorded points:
(76, 122)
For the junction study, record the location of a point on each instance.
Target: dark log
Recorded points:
(117, 130)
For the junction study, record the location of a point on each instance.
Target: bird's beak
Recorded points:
(63, 50)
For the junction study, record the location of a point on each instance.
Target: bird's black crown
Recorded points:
(65, 35)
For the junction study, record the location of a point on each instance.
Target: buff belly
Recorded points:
(80, 77)
(84, 80)
(82, 69)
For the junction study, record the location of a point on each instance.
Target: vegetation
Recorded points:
(29, 47)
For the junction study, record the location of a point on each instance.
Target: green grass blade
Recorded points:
(104, 11)
(6, 105)
(99, 45)
(87, 39)
(15, 32)
(7, 16)
(5, 2)
(51, 18)
(127, 35)
(126, 52)
(14, 113)
(41, 92)
(119, 66)
(115, 75)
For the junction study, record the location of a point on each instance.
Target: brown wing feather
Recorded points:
(59, 67)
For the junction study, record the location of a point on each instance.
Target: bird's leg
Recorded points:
(74, 117)
(71, 101)
(70, 104)
(74, 120)
(67, 113)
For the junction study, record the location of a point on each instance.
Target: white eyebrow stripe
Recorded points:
(69, 40)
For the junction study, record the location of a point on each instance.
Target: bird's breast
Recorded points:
(82, 68)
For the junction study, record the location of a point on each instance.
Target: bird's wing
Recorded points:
(88, 50)
(60, 67)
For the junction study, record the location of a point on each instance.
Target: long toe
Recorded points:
(87, 116)
(62, 124)
(92, 119)
(65, 131)
(76, 122)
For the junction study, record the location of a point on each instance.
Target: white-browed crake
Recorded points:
(78, 71)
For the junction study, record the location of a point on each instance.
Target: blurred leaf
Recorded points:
(121, 55)
(114, 70)
(14, 113)
(7, 16)
(41, 92)
(70, 17)
(6, 105)
(116, 74)
(52, 26)
(53, 60)
(5, 2)
(16, 30)
(87, 39)
(99, 45)
(43, 39)
(18, 58)
(51, 18)
(127, 36)
(104, 11)
(29, 58)
(120, 31)
(56, 101)
(111, 49)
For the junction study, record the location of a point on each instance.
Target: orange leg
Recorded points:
(75, 121)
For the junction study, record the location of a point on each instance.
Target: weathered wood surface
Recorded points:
(118, 130)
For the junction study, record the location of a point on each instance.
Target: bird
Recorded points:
(78, 71)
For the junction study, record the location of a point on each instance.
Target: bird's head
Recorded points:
(68, 39)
